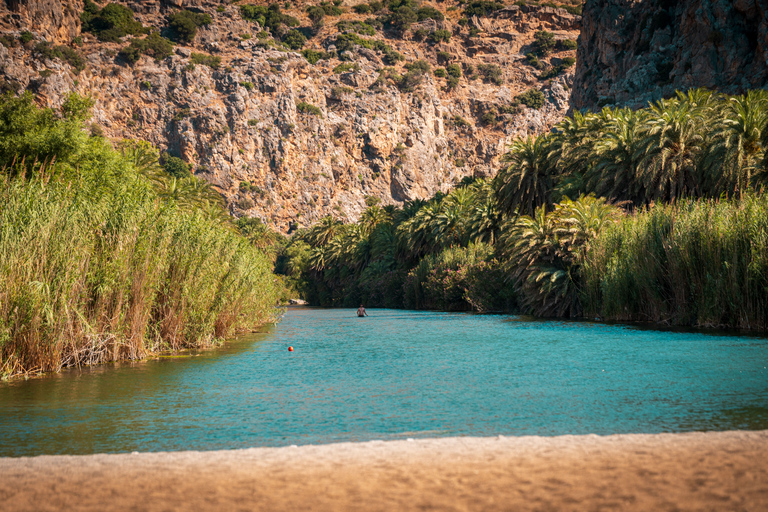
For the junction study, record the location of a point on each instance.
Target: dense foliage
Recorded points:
(572, 225)
(104, 255)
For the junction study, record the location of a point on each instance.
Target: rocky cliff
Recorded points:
(635, 51)
(289, 141)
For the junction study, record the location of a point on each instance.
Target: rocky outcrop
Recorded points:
(635, 51)
(57, 21)
(250, 126)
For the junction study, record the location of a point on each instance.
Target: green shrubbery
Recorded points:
(153, 45)
(212, 61)
(110, 23)
(65, 53)
(127, 261)
(185, 24)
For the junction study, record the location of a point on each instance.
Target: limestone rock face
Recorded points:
(288, 141)
(635, 51)
(57, 21)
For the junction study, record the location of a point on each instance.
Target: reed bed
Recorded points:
(700, 263)
(95, 269)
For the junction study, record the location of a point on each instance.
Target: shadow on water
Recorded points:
(393, 375)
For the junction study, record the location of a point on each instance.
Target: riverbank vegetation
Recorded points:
(656, 214)
(105, 256)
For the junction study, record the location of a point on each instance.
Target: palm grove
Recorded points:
(655, 215)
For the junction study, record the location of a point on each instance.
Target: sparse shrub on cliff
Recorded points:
(444, 57)
(185, 24)
(269, 17)
(440, 72)
(26, 36)
(307, 108)
(346, 67)
(313, 56)
(560, 68)
(532, 98)
(356, 26)
(65, 53)
(420, 34)
(248, 85)
(543, 42)
(453, 70)
(566, 44)
(440, 35)
(491, 73)
(429, 13)
(110, 23)
(7, 41)
(211, 61)
(532, 60)
(294, 40)
(481, 8)
(362, 9)
(153, 45)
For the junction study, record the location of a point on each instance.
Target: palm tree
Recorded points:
(525, 183)
(372, 216)
(485, 221)
(736, 155)
(323, 232)
(615, 170)
(669, 153)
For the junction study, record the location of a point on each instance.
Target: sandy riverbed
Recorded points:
(697, 471)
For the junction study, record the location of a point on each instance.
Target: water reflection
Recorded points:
(392, 375)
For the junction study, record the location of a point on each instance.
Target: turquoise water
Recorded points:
(394, 375)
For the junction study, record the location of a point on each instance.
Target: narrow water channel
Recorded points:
(394, 375)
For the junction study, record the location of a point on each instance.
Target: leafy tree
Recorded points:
(185, 24)
(294, 39)
(110, 23)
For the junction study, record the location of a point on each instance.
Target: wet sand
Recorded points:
(696, 471)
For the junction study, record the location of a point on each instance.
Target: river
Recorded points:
(395, 375)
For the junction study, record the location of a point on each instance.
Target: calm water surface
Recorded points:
(393, 375)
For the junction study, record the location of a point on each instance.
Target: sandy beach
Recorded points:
(694, 471)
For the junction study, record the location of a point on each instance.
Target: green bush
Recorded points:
(175, 167)
(110, 23)
(268, 17)
(481, 8)
(362, 9)
(566, 44)
(313, 56)
(440, 35)
(346, 67)
(454, 70)
(205, 59)
(356, 26)
(560, 68)
(440, 72)
(294, 40)
(65, 53)
(307, 108)
(543, 42)
(26, 36)
(185, 24)
(153, 45)
(532, 98)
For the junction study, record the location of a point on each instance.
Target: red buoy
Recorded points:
(290, 349)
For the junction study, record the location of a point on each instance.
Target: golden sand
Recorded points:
(695, 471)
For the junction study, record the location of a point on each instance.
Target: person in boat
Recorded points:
(361, 311)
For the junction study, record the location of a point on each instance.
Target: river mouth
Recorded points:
(393, 375)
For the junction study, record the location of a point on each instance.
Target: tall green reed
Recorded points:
(700, 263)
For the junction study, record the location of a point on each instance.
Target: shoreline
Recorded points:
(688, 471)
